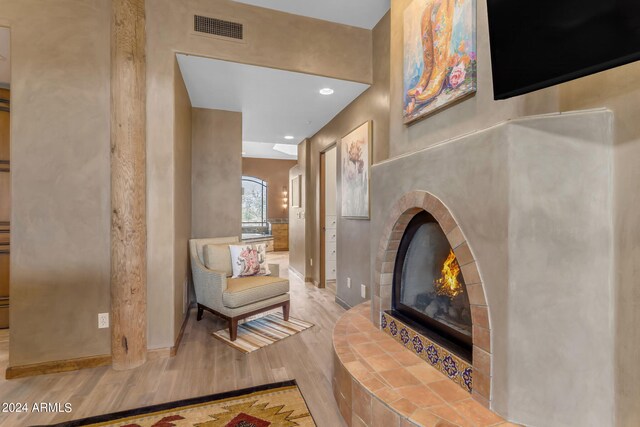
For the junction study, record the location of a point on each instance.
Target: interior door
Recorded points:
(5, 207)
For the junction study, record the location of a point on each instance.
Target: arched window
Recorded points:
(254, 201)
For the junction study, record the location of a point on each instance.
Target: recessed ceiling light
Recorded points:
(288, 137)
(326, 91)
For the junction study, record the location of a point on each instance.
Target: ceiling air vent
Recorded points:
(218, 27)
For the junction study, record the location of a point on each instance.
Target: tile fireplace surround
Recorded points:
(528, 208)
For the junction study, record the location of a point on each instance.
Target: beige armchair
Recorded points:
(229, 298)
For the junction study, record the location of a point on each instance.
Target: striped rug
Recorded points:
(262, 331)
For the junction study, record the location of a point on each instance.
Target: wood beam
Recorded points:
(128, 185)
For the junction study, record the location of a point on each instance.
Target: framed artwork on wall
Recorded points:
(356, 159)
(439, 55)
(295, 192)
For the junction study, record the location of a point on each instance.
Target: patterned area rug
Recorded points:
(263, 331)
(272, 405)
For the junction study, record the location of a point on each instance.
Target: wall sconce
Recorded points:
(285, 198)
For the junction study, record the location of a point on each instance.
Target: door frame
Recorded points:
(323, 191)
(5, 226)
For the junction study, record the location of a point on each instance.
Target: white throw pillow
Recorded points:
(261, 250)
(244, 260)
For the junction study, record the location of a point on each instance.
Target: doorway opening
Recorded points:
(328, 218)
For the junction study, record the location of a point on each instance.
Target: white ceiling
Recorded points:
(358, 13)
(274, 103)
(5, 55)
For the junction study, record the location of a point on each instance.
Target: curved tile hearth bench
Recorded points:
(379, 383)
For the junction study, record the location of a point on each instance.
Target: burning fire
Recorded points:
(448, 284)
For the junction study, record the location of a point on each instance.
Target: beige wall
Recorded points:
(325, 49)
(60, 260)
(353, 239)
(60, 112)
(182, 141)
(272, 39)
(619, 90)
(532, 197)
(276, 174)
(217, 173)
(478, 112)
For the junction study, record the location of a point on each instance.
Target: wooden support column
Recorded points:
(128, 185)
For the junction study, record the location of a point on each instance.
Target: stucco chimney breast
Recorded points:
(528, 212)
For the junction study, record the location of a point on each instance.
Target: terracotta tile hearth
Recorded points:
(378, 382)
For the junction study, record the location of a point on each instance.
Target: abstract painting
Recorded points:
(355, 155)
(439, 55)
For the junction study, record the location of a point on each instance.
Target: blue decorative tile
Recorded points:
(450, 367)
(467, 379)
(432, 355)
(393, 328)
(456, 369)
(417, 344)
(404, 336)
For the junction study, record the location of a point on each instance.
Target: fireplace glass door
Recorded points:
(428, 285)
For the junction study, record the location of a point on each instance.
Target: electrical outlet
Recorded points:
(348, 282)
(363, 290)
(103, 320)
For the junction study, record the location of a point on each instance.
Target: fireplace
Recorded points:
(429, 292)
(429, 295)
(526, 206)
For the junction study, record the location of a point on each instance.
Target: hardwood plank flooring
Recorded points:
(202, 366)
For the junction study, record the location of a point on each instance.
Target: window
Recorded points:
(254, 201)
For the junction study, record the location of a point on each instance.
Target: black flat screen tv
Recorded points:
(541, 43)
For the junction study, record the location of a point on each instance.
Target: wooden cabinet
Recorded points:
(280, 234)
(269, 244)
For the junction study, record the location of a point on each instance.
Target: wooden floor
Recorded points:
(203, 366)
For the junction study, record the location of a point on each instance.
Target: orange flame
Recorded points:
(448, 284)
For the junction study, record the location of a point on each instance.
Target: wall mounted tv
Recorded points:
(540, 43)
